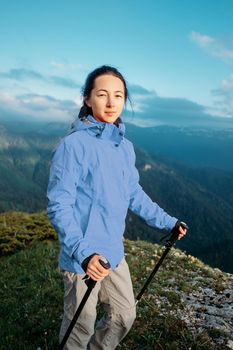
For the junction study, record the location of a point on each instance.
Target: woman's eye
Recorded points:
(119, 96)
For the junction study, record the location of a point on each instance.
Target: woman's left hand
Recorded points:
(182, 232)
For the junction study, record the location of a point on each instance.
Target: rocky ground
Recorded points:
(206, 308)
(208, 304)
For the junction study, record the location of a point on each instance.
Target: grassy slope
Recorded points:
(31, 293)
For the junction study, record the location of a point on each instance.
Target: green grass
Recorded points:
(31, 295)
(31, 292)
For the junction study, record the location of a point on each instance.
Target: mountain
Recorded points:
(217, 181)
(208, 215)
(194, 147)
(186, 306)
(24, 168)
(200, 196)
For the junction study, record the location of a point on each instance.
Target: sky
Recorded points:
(176, 56)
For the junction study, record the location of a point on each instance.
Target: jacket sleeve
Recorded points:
(65, 172)
(142, 205)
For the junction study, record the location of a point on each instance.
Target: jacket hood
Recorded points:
(98, 129)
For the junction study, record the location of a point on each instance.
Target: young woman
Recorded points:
(93, 181)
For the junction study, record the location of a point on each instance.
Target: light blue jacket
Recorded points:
(93, 181)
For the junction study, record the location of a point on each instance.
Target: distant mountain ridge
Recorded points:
(200, 196)
(195, 147)
(209, 215)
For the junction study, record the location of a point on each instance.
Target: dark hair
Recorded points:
(89, 85)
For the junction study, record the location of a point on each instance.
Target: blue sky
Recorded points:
(177, 57)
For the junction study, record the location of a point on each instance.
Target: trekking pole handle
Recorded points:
(175, 233)
(104, 262)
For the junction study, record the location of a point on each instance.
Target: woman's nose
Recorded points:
(110, 101)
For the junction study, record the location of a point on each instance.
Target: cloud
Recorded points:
(151, 109)
(65, 65)
(140, 90)
(202, 40)
(227, 84)
(155, 110)
(38, 107)
(172, 105)
(213, 46)
(223, 104)
(173, 111)
(44, 102)
(22, 74)
(224, 97)
(65, 82)
(35, 105)
(139, 95)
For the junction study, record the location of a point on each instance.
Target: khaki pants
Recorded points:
(115, 292)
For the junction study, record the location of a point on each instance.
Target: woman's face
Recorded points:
(107, 98)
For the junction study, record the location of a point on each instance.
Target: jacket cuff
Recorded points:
(173, 223)
(84, 254)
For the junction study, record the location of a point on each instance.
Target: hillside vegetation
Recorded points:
(187, 306)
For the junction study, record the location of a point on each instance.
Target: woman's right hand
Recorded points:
(95, 270)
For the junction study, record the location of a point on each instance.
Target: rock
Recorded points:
(211, 309)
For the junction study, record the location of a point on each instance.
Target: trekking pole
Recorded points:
(169, 244)
(90, 285)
